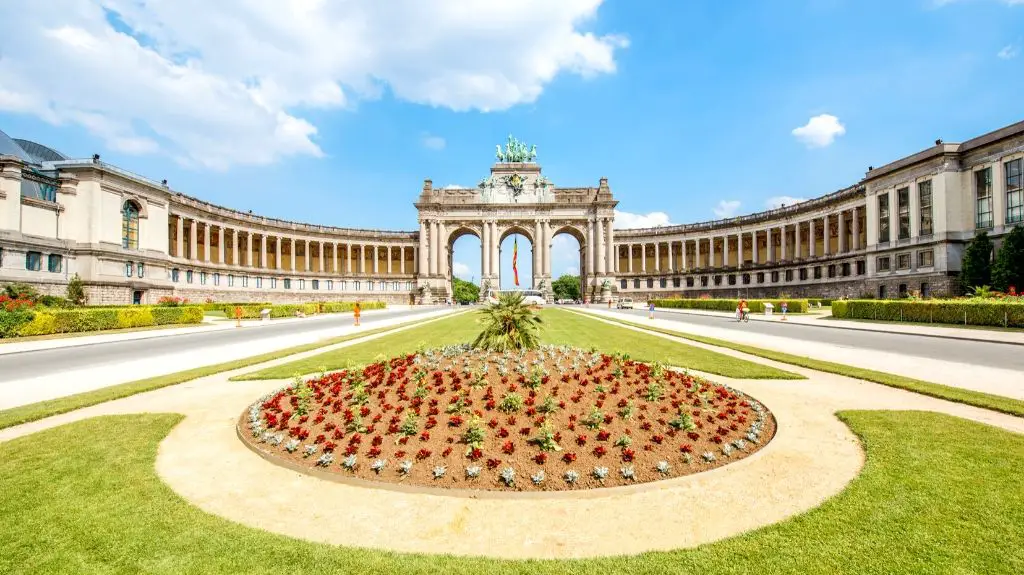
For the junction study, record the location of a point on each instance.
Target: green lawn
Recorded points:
(938, 494)
(39, 410)
(966, 396)
(559, 327)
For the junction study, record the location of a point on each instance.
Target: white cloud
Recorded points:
(1008, 52)
(461, 270)
(779, 201)
(232, 82)
(820, 131)
(726, 208)
(433, 142)
(571, 271)
(628, 220)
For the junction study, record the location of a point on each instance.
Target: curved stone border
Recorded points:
(399, 487)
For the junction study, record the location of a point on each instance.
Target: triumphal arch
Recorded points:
(516, 198)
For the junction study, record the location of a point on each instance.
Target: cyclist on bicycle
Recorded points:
(742, 311)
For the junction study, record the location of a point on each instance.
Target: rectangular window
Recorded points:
(355, 285)
(302, 284)
(983, 195)
(703, 281)
(1014, 191)
(717, 280)
(789, 275)
(273, 283)
(662, 283)
(831, 270)
(883, 218)
(901, 291)
(141, 269)
(636, 284)
(861, 267)
(188, 276)
(245, 281)
(925, 259)
(803, 274)
(394, 286)
(903, 261)
(924, 197)
(689, 282)
(316, 284)
(259, 282)
(369, 285)
(676, 282)
(216, 279)
(408, 286)
(903, 211)
(343, 285)
(54, 263)
(775, 277)
(732, 279)
(202, 278)
(926, 290)
(883, 264)
(33, 261)
(650, 283)
(817, 272)
(129, 269)
(845, 268)
(383, 286)
(175, 276)
(622, 284)
(330, 285)
(287, 283)
(231, 280)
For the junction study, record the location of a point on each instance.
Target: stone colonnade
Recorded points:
(212, 243)
(836, 233)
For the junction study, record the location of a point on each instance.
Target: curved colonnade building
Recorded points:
(901, 229)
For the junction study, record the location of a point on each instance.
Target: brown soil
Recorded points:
(421, 408)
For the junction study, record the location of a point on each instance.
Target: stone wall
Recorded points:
(279, 297)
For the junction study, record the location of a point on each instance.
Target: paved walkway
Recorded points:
(824, 320)
(209, 324)
(977, 377)
(813, 457)
(156, 361)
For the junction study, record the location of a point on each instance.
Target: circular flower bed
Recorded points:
(554, 418)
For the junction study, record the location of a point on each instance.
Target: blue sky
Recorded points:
(688, 107)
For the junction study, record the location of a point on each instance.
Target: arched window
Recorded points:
(130, 225)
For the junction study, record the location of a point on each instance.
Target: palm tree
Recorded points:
(509, 324)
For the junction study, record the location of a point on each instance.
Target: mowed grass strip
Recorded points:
(566, 328)
(998, 403)
(461, 328)
(36, 411)
(938, 494)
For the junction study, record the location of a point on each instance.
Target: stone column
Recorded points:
(842, 232)
(657, 256)
(495, 251)
(547, 248)
(785, 244)
(321, 256)
(291, 254)
(739, 250)
(771, 245)
(206, 242)
(435, 248)
(811, 241)
(423, 248)
(220, 245)
(599, 256)
(442, 251)
(799, 253)
(643, 258)
(390, 269)
(376, 260)
(179, 244)
(629, 258)
(856, 229)
(485, 251)
(401, 261)
(753, 247)
(334, 258)
(826, 236)
(350, 269)
(277, 253)
(538, 252)
(610, 241)
(682, 255)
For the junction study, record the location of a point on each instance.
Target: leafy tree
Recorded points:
(509, 325)
(1008, 269)
(976, 266)
(76, 291)
(465, 292)
(566, 287)
(19, 290)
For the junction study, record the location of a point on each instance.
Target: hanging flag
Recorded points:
(515, 256)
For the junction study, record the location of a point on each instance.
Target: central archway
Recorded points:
(529, 273)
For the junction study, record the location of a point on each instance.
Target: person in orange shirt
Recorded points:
(742, 310)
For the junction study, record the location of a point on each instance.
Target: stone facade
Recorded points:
(903, 226)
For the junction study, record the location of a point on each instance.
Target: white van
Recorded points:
(530, 297)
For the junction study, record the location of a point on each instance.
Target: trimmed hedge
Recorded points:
(219, 306)
(816, 300)
(961, 312)
(729, 305)
(252, 311)
(46, 321)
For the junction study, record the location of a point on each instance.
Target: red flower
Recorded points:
(455, 421)
(475, 454)
(423, 454)
(600, 451)
(373, 452)
(502, 432)
(447, 451)
(658, 439)
(628, 454)
(569, 457)
(581, 440)
(524, 431)
(508, 448)
(399, 454)
(540, 458)
(329, 446)
(511, 420)
(603, 435)
(693, 435)
(403, 440)
(425, 436)
(493, 463)
(686, 448)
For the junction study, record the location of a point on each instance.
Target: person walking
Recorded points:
(650, 310)
(785, 308)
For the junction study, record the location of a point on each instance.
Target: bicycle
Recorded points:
(743, 315)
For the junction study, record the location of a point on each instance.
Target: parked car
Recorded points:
(625, 303)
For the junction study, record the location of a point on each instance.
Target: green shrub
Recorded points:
(755, 305)
(220, 306)
(990, 312)
(252, 311)
(76, 291)
(49, 321)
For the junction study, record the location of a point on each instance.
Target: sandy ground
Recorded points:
(812, 457)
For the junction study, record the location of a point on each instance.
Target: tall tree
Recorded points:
(75, 292)
(465, 292)
(566, 287)
(1008, 269)
(976, 265)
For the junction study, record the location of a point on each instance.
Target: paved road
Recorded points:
(988, 354)
(46, 362)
